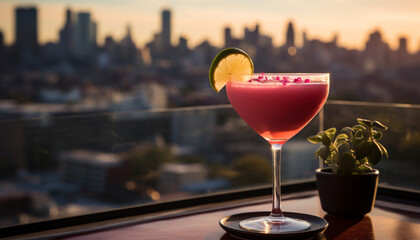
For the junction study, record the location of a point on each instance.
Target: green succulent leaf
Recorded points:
(358, 134)
(331, 131)
(362, 161)
(383, 149)
(363, 149)
(365, 122)
(344, 147)
(375, 154)
(364, 168)
(334, 148)
(347, 163)
(379, 125)
(358, 127)
(334, 157)
(314, 139)
(323, 152)
(377, 135)
(339, 142)
(347, 130)
(367, 133)
(326, 140)
(342, 136)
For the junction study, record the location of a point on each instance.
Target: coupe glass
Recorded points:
(277, 106)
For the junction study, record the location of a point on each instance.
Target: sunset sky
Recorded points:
(198, 20)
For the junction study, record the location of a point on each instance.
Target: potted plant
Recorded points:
(348, 186)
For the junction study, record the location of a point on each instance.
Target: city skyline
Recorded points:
(146, 22)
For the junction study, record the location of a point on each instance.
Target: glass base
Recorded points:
(270, 224)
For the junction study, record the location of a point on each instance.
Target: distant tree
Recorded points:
(189, 159)
(145, 160)
(218, 170)
(251, 170)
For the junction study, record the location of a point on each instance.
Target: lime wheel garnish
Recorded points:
(229, 62)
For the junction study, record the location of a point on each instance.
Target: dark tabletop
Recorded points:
(388, 220)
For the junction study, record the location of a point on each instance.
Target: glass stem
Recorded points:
(276, 213)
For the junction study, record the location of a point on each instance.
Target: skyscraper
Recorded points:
(128, 40)
(252, 37)
(26, 29)
(182, 48)
(1, 43)
(305, 39)
(166, 29)
(66, 34)
(290, 36)
(2, 52)
(84, 38)
(228, 37)
(128, 48)
(402, 55)
(403, 45)
(376, 51)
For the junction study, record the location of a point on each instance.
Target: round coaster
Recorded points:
(231, 225)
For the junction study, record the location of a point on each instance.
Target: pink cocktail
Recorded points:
(277, 106)
(275, 110)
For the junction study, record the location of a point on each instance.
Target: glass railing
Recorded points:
(54, 164)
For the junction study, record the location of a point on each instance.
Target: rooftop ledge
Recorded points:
(197, 217)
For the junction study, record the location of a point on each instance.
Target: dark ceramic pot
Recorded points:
(347, 195)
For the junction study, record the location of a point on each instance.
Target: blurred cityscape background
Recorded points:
(88, 125)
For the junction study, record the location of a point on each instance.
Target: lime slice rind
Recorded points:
(229, 62)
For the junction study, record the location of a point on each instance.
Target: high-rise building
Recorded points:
(129, 51)
(182, 48)
(1, 43)
(305, 39)
(228, 37)
(128, 40)
(290, 36)
(84, 40)
(402, 45)
(2, 52)
(92, 171)
(110, 46)
(376, 52)
(66, 34)
(252, 37)
(94, 33)
(402, 56)
(166, 29)
(26, 29)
